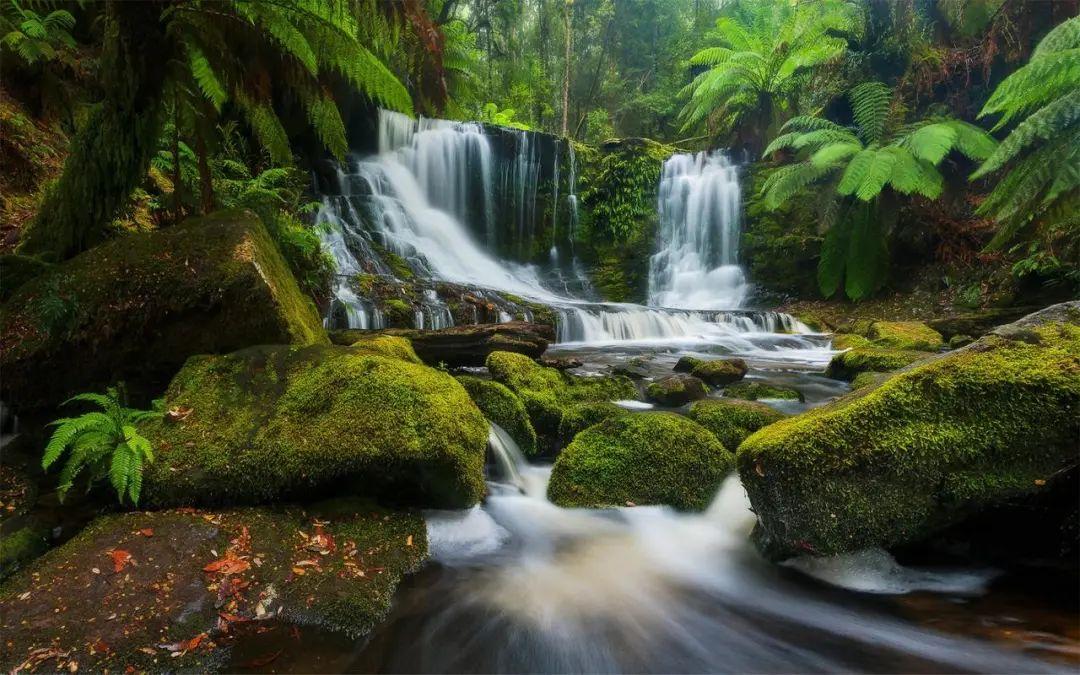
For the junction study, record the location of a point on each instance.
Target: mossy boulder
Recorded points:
(754, 391)
(16, 270)
(502, 407)
(732, 420)
(849, 341)
(547, 392)
(160, 591)
(846, 365)
(931, 445)
(868, 378)
(581, 416)
(136, 307)
(676, 390)
(720, 372)
(958, 341)
(685, 364)
(270, 422)
(911, 335)
(20, 546)
(388, 345)
(641, 458)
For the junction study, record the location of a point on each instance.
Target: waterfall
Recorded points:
(696, 261)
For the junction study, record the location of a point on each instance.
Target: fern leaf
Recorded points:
(931, 142)
(119, 470)
(829, 155)
(1066, 35)
(877, 174)
(1045, 124)
(870, 107)
(205, 77)
(855, 172)
(830, 271)
(268, 130)
(867, 256)
(326, 120)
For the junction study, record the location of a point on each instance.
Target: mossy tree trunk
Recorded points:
(111, 152)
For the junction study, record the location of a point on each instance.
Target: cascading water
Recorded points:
(696, 262)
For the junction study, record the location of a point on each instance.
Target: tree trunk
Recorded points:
(178, 177)
(206, 179)
(566, 68)
(111, 153)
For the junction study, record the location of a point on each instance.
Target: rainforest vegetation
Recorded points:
(279, 277)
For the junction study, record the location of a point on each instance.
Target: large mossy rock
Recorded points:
(270, 422)
(502, 407)
(581, 416)
(912, 335)
(847, 365)
(941, 440)
(151, 591)
(641, 458)
(676, 390)
(547, 392)
(720, 372)
(136, 307)
(755, 391)
(732, 420)
(467, 345)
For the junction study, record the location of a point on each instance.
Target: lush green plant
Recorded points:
(34, 37)
(1040, 190)
(104, 443)
(491, 114)
(766, 53)
(855, 165)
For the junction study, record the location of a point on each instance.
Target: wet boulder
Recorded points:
(547, 392)
(502, 407)
(755, 391)
(676, 390)
(720, 372)
(910, 335)
(467, 345)
(732, 420)
(136, 307)
(895, 462)
(846, 365)
(685, 364)
(272, 422)
(168, 590)
(641, 458)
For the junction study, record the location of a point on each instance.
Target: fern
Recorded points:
(106, 442)
(834, 250)
(870, 107)
(866, 255)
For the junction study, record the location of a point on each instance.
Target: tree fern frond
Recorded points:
(856, 171)
(870, 107)
(1066, 35)
(787, 181)
(204, 75)
(931, 142)
(805, 123)
(866, 256)
(972, 141)
(1042, 125)
(829, 155)
(1039, 82)
(831, 265)
(267, 128)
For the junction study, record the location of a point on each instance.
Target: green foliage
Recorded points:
(35, 38)
(1040, 191)
(104, 443)
(621, 192)
(491, 114)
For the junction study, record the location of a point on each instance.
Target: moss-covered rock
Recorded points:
(20, 546)
(731, 421)
(675, 390)
(849, 341)
(911, 335)
(958, 341)
(581, 416)
(846, 365)
(641, 458)
(755, 391)
(502, 407)
(685, 364)
(868, 378)
(892, 464)
(163, 591)
(16, 270)
(265, 423)
(546, 392)
(136, 307)
(720, 372)
(387, 345)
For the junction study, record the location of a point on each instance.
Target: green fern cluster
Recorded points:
(879, 151)
(767, 51)
(103, 443)
(1041, 188)
(34, 37)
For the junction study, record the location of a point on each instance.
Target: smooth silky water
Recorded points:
(518, 584)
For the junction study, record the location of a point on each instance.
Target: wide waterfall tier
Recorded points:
(419, 235)
(696, 261)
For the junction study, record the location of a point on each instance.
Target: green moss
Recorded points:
(913, 335)
(847, 365)
(644, 458)
(676, 390)
(502, 407)
(686, 364)
(16, 270)
(868, 378)
(731, 421)
(387, 345)
(958, 341)
(754, 391)
(136, 307)
(546, 391)
(581, 416)
(849, 341)
(399, 314)
(720, 372)
(889, 465)
(21, 546)
(270, 422)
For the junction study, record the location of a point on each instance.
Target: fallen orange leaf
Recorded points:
(120, 559)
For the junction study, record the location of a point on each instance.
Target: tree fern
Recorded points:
(866, 256)
(833, 261)
(106, 442)
(870, 107)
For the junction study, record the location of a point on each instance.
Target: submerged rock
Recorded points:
(754, 391)
(547, 392)
(165, 590)
(642, 458)
(912, 335)
(502, 407)
(676, 390)
(720, 372)
(467, 345)
(731, 421)
(893, 463)
(266, 423)
(135, 308)
(846, 365)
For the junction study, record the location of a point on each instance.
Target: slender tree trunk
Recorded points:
(206, 179)
(566, 68)
(111, 152)
(178, 177)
